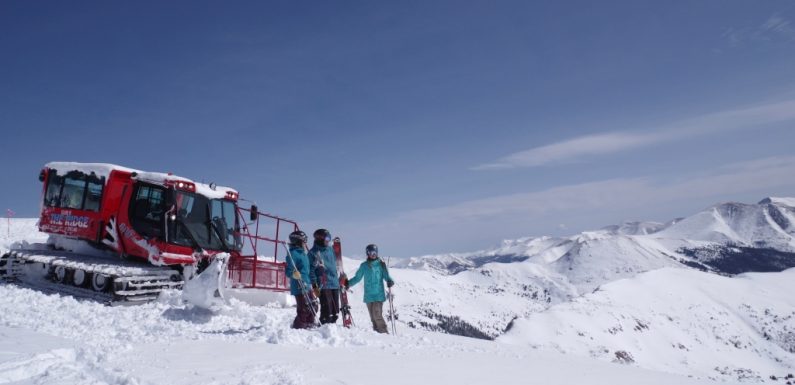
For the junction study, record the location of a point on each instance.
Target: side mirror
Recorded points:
(42, 174)
(254, 213)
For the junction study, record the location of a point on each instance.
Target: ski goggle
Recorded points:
(372, 252)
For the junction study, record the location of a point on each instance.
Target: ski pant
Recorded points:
(329, 305)
(305, 317)
(377, 317)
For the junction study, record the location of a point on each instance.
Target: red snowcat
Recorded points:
(124, 235)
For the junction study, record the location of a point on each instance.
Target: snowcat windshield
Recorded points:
(207, 223)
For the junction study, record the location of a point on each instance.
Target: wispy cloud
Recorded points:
(572, 149)
(748, 117)
(755, 175)
(776, 27)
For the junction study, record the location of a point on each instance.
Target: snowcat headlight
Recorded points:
(187, 186)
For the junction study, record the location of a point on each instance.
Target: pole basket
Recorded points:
(256, 265)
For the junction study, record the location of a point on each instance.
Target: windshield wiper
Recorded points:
(190, 235)
(220, 237)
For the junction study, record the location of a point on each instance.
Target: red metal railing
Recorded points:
(251, 270)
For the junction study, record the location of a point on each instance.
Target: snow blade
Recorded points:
(206, 290)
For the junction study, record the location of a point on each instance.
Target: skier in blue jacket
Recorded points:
(326, 282)
(375, 273)
(301, 277)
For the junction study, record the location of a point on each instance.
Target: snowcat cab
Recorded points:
(165, 228)
(160, 218)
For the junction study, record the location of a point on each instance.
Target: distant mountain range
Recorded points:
(726, 238)
(545, 290)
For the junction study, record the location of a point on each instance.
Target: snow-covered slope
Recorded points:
(50, 339)
(476, 303)
(19, 230)
(677, 320)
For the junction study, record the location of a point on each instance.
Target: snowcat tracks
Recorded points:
(87, 277)
(8, 270)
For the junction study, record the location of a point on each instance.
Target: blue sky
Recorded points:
(423, 126)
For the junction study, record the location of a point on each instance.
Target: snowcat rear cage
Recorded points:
(251, 270)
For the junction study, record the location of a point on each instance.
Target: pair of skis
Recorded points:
(392, 314)
(345, 307)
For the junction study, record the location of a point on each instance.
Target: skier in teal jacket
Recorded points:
(326, 281)
(301, 276)
(375, 273)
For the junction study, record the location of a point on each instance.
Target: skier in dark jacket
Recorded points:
(301, 277)
(326, 283)
(375, 273)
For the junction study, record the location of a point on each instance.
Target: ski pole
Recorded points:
(301, 285)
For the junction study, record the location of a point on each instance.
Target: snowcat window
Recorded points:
(209, 224)
(94, 194)
(52, 198)
(147, 211)
(74, 191)
(74, 187)
(224, 214)
(185, 203)
(193, 223)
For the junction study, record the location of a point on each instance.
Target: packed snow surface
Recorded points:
(50, 339)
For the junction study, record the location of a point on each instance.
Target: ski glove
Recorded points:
(390, 283)
(297, 275)
(316, 290)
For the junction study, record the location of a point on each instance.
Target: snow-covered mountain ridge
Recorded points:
(768, 226)
(524, 276)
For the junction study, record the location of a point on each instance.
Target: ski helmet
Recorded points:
(322, 236)
(372, 251)
(297, 238)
